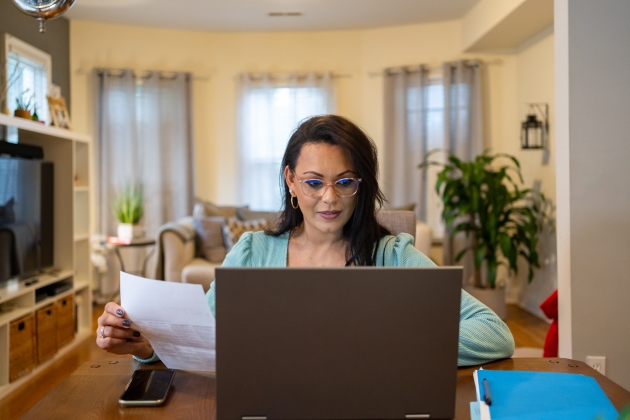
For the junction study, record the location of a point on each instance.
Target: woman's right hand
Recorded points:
(116, 335)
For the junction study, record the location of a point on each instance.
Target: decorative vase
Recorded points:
(492, 298)
(22, 113)
(128, 232)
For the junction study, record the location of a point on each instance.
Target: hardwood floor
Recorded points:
(528, 331)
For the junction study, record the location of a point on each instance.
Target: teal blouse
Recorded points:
(483, 337)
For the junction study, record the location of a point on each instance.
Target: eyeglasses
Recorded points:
(344, 187)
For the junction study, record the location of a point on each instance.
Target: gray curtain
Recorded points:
(463, 128)
(405, 99)
(144, 135)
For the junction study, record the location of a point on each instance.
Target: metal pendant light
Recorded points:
(43, 10)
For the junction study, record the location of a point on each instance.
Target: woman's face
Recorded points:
(327, 163)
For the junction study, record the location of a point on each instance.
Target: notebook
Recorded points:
(529, 395)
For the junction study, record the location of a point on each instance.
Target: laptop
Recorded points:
(337, 343)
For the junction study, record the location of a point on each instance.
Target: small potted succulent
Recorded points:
(128, 210)
(23, 106)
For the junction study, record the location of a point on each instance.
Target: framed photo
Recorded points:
(59, 112)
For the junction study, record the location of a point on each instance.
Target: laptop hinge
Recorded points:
(417, 416)
(254, 418)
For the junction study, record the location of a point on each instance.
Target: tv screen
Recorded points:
(26, 217)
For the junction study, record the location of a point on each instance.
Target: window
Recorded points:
(435, 139)
(269, 114)
(29, 70)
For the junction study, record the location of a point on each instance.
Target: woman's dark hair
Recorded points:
(362, 231)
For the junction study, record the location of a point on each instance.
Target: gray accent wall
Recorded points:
(55, 41)
(598, 110)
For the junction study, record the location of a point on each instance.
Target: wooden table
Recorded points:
(92, 391)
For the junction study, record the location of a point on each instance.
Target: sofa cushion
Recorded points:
(406, 207)
(205, 208)
(234, 228)
(199, 271)
(210, 242)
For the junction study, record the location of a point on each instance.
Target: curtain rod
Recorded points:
(141, 73)
(438, 67)
(288, 75)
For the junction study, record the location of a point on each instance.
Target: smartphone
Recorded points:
(147, 388)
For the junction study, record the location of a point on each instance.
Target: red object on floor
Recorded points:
(550, 309)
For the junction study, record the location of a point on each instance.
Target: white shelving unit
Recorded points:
(71, 153)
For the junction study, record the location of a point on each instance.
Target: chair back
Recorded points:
(398, 221)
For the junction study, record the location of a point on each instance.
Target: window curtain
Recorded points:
(405, 97)
(270, 108)
(144, 135)
(463, 132)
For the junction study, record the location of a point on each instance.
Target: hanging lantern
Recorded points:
(534, 132)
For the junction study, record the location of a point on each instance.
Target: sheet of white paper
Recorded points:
(174, 317)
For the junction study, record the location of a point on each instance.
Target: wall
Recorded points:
(534, 84)
(593, 101)
(221, 56)
(55, 41)
(483, 17)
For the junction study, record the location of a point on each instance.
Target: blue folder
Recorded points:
(529, 395)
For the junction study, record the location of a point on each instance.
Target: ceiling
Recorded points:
(252, 15)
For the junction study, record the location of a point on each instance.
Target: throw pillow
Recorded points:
(234, 228)
(205, 208)
(210, 238)
(270, 216)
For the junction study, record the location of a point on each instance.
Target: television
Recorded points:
(26, 217)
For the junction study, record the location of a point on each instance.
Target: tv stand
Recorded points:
(71, 276)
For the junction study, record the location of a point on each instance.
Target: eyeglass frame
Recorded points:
(328, 184)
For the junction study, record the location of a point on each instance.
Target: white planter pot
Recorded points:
(128, 231)
(492, 298)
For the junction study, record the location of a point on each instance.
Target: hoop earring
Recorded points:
(295, 206)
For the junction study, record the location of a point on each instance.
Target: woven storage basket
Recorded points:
(22, 351)
(65, 320)
(46, 332)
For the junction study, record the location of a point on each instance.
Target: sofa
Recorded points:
(183, 255)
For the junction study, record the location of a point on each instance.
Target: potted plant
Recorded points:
(483, 199)
(128, 209)
(23, 106)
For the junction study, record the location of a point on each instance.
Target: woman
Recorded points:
(331, 196)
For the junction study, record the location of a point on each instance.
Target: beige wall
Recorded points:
(221, 56)
(534, 66)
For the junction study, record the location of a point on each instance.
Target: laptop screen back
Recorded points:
(350, 343)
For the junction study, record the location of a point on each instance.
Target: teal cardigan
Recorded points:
(483, 337)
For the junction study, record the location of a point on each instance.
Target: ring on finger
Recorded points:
(102, 332)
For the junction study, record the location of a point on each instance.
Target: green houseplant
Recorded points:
(484, 199)
(128, 209)
(23, 105)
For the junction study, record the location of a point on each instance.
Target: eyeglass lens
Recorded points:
(344, 187)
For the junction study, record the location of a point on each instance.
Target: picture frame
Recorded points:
(59, 116)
